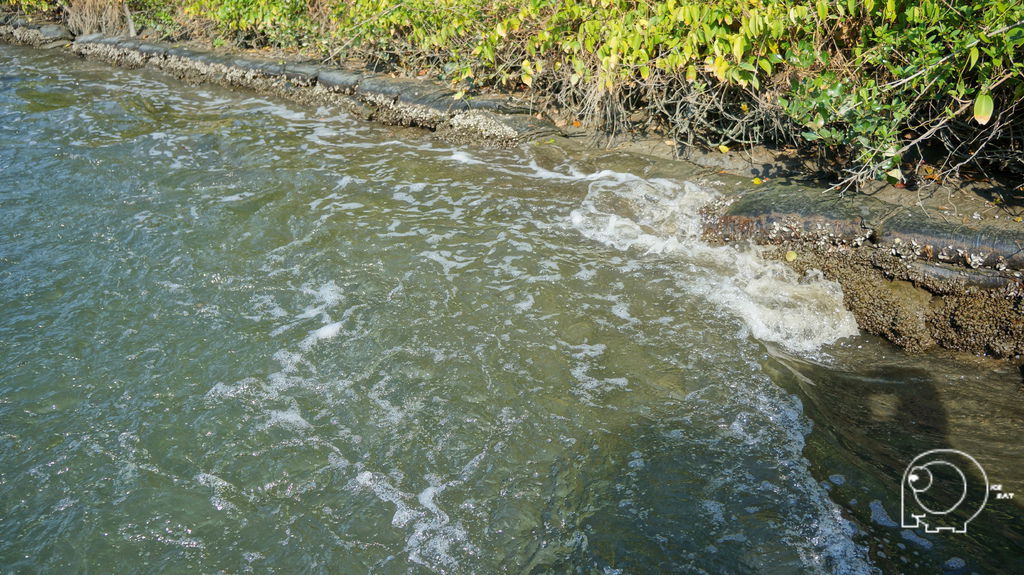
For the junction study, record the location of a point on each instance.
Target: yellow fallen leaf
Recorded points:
(724, 149)
(1018, 219)
(790, 256)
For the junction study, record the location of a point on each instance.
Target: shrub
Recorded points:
(866, 84)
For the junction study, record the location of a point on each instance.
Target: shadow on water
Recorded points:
(679, 504)
(671, 510)
(710, 482)
(871, 422)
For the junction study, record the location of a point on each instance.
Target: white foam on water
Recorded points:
(387, 410)
(326, 332)
(802, 313)
(590, 388)
(660, 217)
(220, 489)
(524, 305)
(221, 390)
(534, 170)
(279, 110)
(236, 197)
(290, 418)
(325, 297)
(346, 206)
(771, 425)
(432, 540)
(621, 310)
(328, 293)
(464, 158)
(264, 307)
(446, 259)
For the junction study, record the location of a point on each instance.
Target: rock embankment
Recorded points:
(908, 273)
(15, 29)
(490, 120)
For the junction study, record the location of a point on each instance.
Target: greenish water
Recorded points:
(243, 336)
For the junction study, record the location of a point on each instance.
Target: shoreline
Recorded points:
(912, 271)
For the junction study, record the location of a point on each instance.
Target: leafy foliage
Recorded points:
(255, 21)
(869, 84)
(31, 6)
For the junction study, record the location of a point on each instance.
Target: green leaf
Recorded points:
(983, 107)
(973, 57)
(737, 47)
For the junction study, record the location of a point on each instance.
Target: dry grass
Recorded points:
(91, 16)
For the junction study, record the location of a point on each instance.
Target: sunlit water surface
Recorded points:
(243, 336)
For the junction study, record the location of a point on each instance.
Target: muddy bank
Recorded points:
(913, 270)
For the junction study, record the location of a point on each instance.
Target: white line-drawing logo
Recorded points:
(943, 490)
